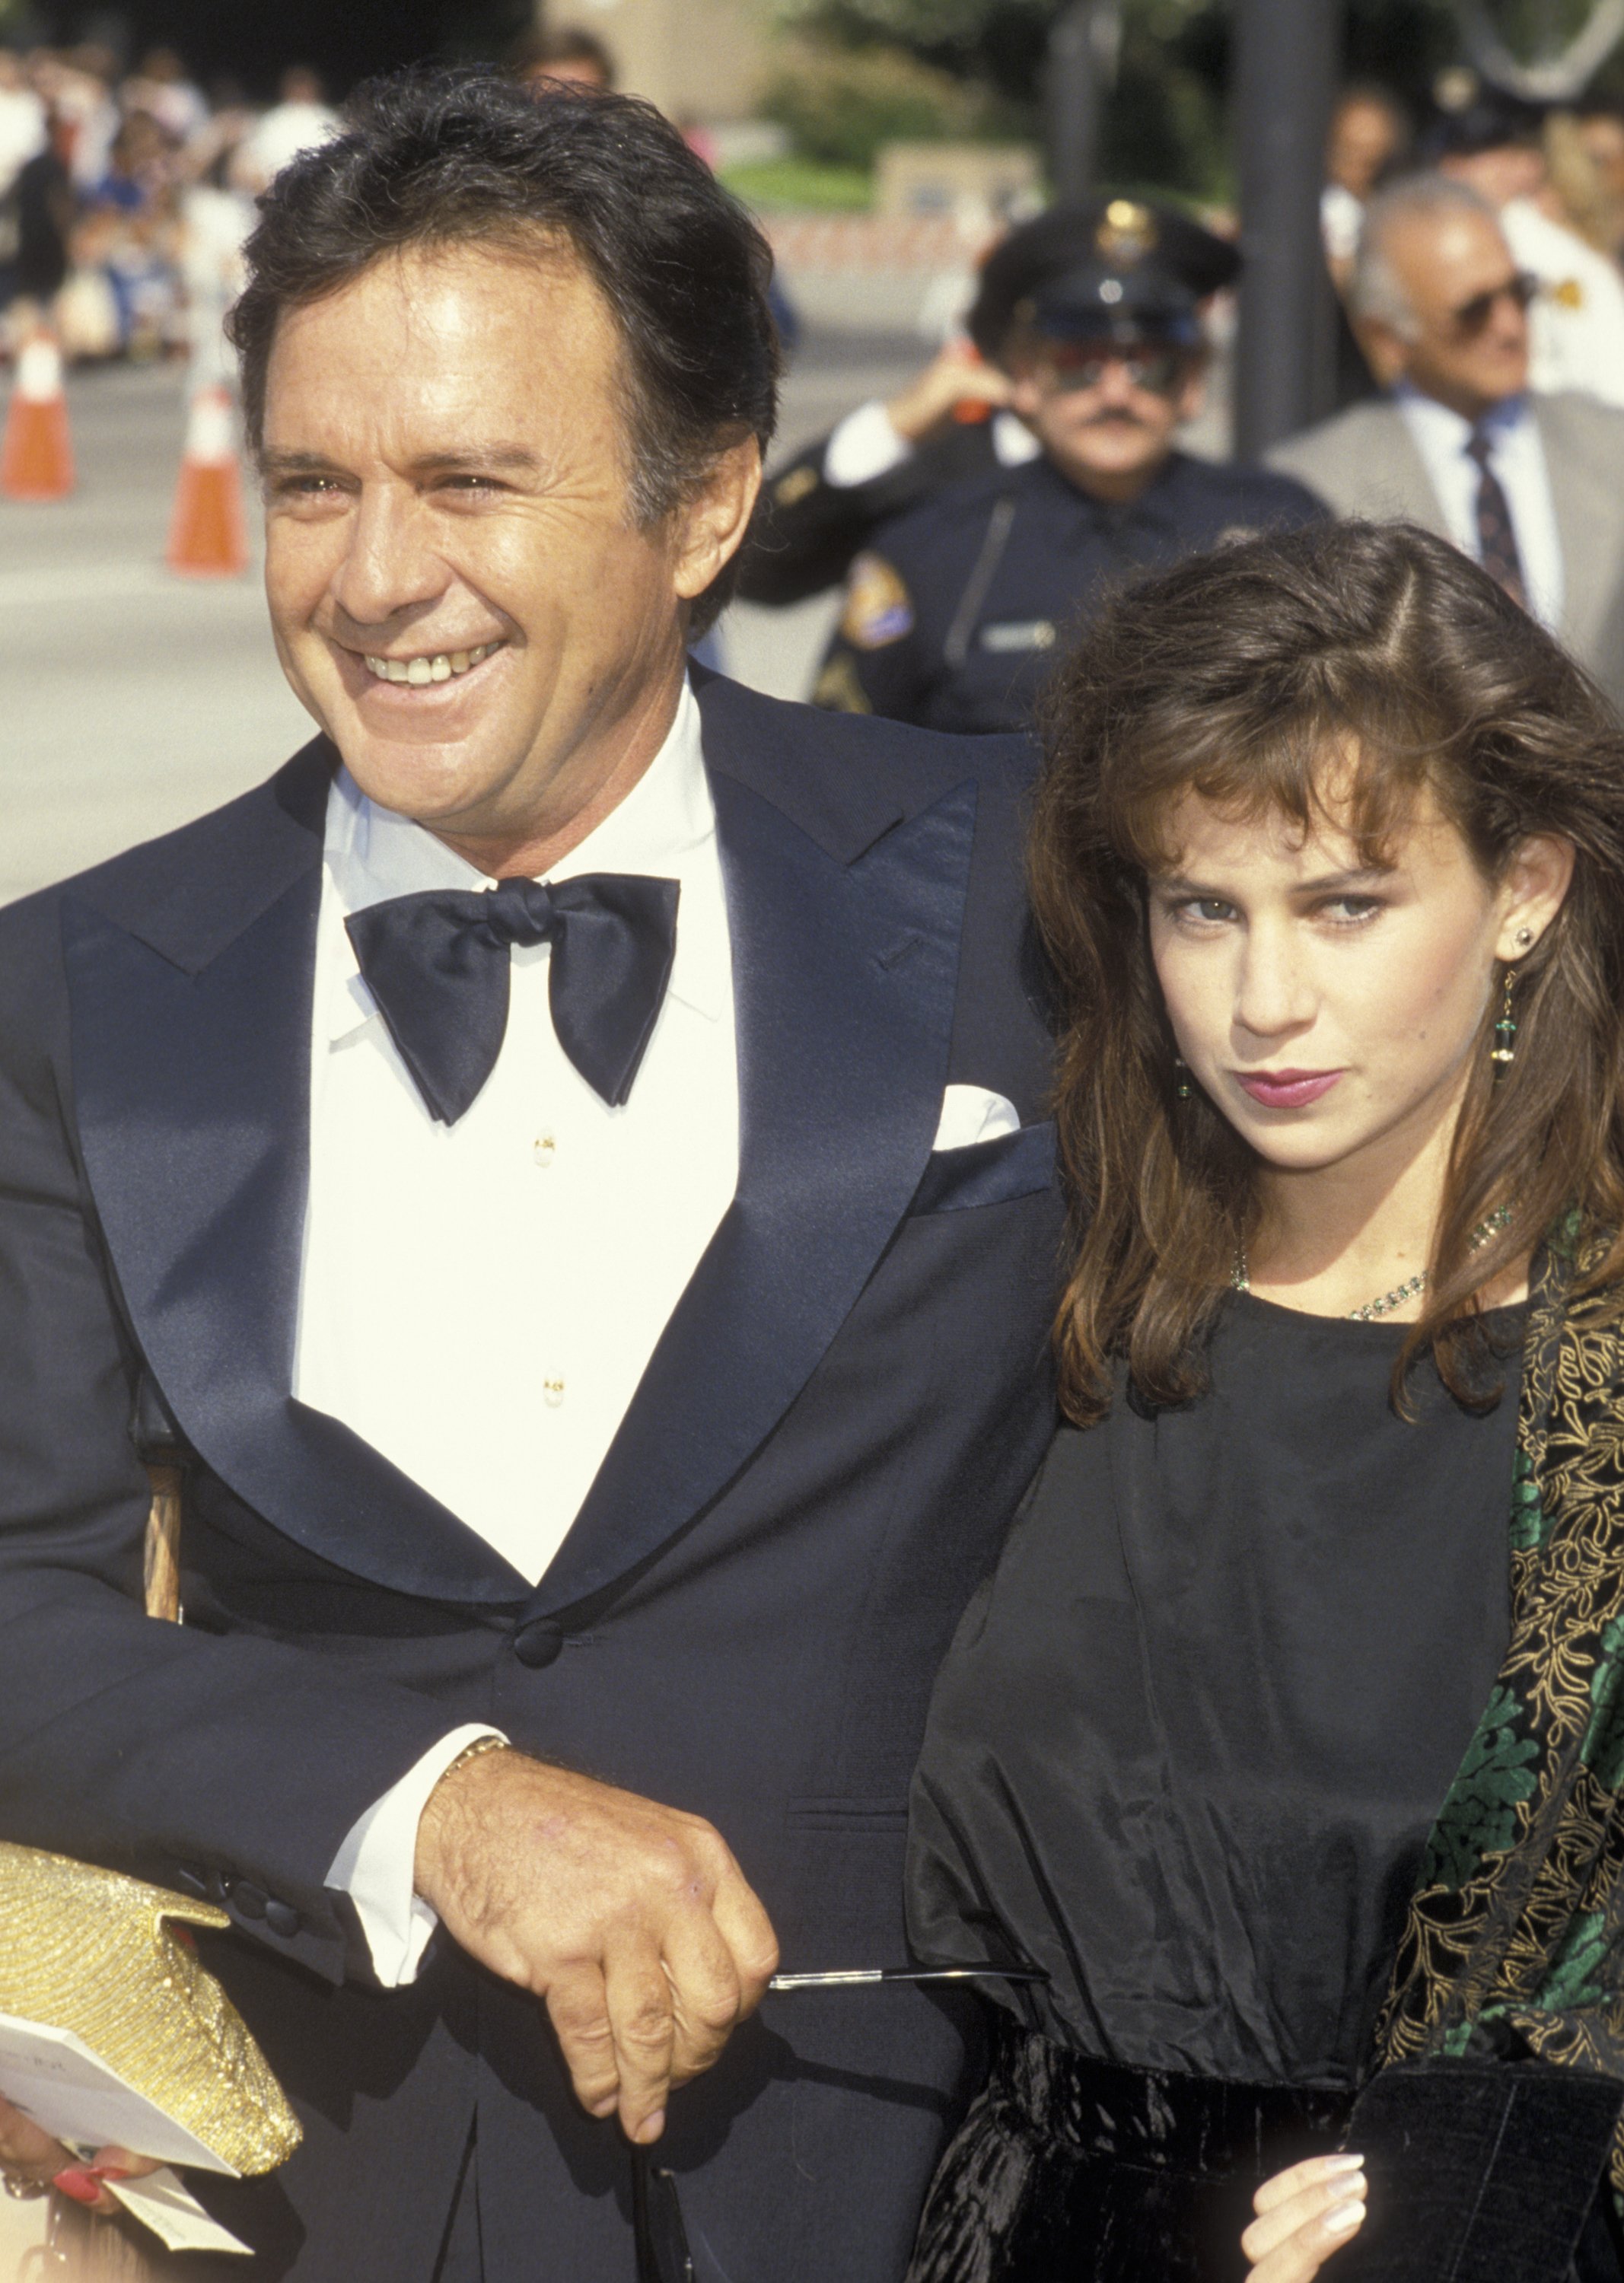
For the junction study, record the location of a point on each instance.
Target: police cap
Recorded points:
(1113, 268)
(1471, 115)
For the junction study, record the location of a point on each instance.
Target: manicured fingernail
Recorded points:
(651, 2129)
(1335, 2164)
(1345, 2217)
(82, 2186)
(113, 2172)
(606, 2106)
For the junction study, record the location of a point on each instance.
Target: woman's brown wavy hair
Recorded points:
(1240, 676)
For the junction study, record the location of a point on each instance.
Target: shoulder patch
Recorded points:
(789, 490)
(839, 689)
(879, 607)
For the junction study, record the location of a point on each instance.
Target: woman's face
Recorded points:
(1327, 1008)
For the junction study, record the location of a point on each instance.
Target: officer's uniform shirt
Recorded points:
(953, 615)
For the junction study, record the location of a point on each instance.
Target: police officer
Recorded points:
(953, 420)
(952, 611)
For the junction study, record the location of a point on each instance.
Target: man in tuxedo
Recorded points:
(1530, 486)
(563, 1166)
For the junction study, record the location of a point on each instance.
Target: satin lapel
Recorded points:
(845, 980)
(192, 1092)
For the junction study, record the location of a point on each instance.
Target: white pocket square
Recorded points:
(970, 1114)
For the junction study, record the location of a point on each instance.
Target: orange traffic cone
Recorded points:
(36, 459)
(207, 536)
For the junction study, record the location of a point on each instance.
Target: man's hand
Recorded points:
(1303, 2216)
(31, 2158)
(956, 377)
(632, 1921)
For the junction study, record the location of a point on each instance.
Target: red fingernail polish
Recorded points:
(113, 2172)
(73, 2181)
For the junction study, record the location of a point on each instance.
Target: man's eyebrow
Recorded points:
(511, 458)
(296, 463)
(515, 458)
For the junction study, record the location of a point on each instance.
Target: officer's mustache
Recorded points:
(1113, 416)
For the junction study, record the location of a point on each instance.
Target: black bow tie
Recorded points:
(438, 965)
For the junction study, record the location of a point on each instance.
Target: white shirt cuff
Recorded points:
(375, 1863)
(864, 446)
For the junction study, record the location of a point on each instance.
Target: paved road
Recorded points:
(131, 700)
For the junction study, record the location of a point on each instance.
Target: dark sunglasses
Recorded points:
(658, 2233)
(1070, 366)
(1472, 316)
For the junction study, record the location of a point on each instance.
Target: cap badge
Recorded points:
(1126, 233)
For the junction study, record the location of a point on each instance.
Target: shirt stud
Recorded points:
(552, 1393)
(544, 1149)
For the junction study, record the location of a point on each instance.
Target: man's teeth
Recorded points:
(441, 667)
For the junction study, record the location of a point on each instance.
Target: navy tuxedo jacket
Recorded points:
(744, 1621)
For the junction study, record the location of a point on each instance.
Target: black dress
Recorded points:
(1185, 1755)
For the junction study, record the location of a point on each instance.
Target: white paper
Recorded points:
(54, 2078)
(167, 2206)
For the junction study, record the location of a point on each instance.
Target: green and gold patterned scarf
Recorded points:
(1518, 1925)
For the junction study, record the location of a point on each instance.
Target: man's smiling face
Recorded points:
(459, 589)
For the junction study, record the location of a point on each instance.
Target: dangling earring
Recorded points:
(1182, 1086)
(1505, 1029)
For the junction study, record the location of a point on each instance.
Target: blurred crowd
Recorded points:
(125, 198)
(1555, 177)
(1048, 453)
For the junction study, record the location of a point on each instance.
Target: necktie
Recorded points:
(439, 965)
(1496, 539)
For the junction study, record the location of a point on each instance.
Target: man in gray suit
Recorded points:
(1530, 486)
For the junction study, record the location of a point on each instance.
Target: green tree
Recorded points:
(1165, 122)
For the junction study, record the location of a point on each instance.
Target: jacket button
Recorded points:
(538, 1643)
(248, 1900)
(282, 1918)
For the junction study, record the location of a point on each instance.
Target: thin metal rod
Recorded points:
(854, 1977)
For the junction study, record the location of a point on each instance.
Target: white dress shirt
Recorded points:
(1576, 326)
(479, 1301)
(1517, 458)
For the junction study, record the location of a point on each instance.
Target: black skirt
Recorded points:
(1071, 2171)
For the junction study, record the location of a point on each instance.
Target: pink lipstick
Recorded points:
(1287, 1089)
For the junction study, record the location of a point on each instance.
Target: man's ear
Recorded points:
(1192, 396)
(1386, 351)
(712, 522)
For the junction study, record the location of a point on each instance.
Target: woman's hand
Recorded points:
(1302, 2216)
(34, 2161)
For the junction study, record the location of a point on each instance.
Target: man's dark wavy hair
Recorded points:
(433, 158)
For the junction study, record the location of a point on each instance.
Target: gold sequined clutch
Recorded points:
(92, 1952)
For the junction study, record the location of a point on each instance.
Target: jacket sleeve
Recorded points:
(808, 531)
(226, 1765)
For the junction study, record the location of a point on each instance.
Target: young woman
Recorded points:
(1283, 1741)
